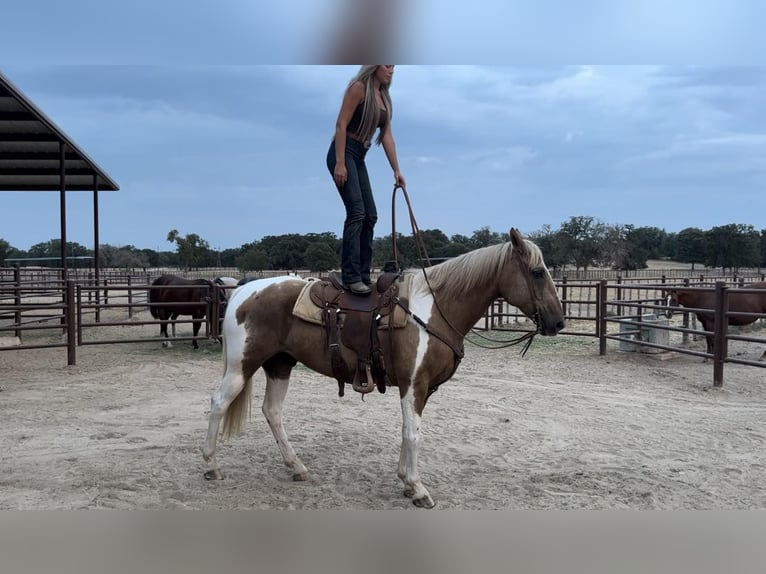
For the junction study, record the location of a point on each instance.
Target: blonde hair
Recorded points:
(370, 109)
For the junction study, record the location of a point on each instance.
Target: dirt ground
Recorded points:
(562, 428)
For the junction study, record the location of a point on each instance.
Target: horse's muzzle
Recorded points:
(551, 327)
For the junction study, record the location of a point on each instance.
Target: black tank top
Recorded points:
(356, 119)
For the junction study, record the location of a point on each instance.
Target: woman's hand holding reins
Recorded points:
(399, 179)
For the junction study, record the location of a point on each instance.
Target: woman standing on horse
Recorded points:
(366, 107)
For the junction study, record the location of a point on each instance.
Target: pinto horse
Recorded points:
(702, 304)
(184, 297)
(443, 305)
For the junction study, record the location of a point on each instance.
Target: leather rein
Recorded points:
(423, 256)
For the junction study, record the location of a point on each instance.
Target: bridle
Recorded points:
(526, 338)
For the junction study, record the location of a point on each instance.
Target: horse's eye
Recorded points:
(538, 273)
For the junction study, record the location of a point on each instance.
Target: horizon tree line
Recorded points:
(581, 242)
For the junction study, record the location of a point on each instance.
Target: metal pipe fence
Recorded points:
(44, 312)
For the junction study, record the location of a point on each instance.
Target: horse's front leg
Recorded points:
(197, 323)
(408, 456)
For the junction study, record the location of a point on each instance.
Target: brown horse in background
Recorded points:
(185, 297)
(696, 299)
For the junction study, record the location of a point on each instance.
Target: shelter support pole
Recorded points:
(62, 212)
(96, 264)
(62, 207)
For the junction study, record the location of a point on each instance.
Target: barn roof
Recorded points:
(30, 150)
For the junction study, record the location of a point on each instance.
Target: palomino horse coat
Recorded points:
(738, 303)
(446, 301)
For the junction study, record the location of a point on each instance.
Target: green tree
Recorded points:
(285, 251)
(191, 249)
(5, 250)
(732, 246)
(254, 258)
(582, 239)
(406, 253)
(648, 241)
(763, 248)
(435, 242)
(690, 246)
(620, 250)
(484, 236)
(52, 249)
(320, 257)
(552, 244)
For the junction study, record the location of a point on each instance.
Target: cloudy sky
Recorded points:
(208, 141)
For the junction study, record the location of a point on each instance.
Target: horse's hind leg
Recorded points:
(232, 384)
(197, 323)
(278, 370)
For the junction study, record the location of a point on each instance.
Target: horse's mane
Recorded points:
(464, 272)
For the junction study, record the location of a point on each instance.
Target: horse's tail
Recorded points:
(238, 412)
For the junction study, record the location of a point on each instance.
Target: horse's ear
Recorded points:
(517, 240)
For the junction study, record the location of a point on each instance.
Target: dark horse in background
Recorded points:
(738, 303)
(185, 297)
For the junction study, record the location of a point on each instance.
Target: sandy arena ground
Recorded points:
(562, 428)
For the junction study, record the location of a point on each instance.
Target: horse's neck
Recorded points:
(462, 310)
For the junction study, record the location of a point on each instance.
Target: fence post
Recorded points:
(619, 295)
(130, 299)
(71, 338)
(685, 324)
(79, 314)
(719, 330)
(17, 298)
(564, 294)
(601, 317)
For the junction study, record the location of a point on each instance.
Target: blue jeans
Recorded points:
(361, 213)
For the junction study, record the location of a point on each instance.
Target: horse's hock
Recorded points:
(648, 328)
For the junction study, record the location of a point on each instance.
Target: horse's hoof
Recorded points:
(409, 492)
(213, 475)
(166, 344)
(424, 502)
(301, 477)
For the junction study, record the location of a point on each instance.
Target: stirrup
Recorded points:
(366, 386)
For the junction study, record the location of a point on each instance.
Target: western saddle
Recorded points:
(353, 320)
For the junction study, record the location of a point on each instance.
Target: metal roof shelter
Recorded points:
(36, 155)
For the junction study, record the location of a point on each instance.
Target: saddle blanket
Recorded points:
(305, 309)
